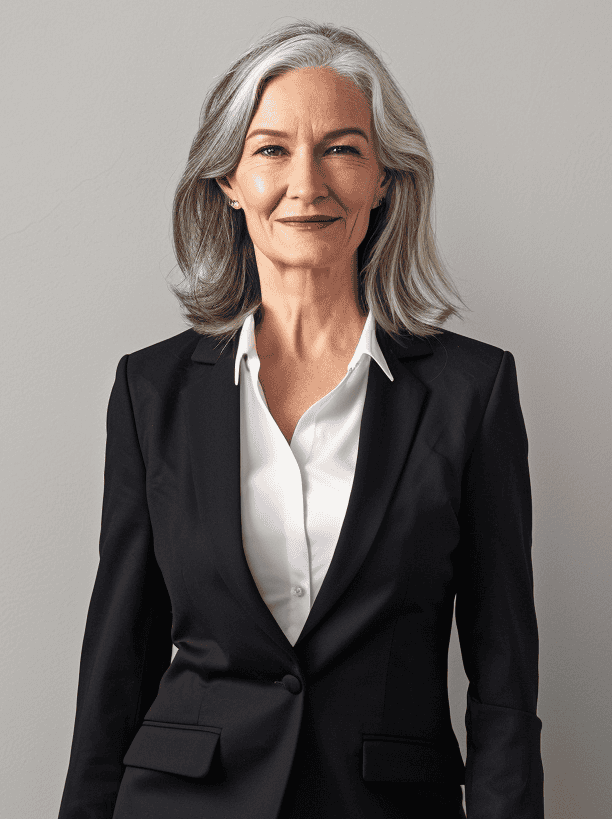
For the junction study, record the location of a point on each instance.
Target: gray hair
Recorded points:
(401, 278)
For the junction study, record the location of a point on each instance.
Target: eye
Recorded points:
(269, 148)
(337, 150)
(343, 148)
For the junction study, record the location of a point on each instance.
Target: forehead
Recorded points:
(318, 94)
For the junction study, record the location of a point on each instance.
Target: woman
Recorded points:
(297, 510)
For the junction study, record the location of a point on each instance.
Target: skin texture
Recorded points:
(311, 320)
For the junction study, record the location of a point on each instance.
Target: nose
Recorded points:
(305, 178)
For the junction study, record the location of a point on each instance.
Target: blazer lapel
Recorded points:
(389, 423)
(213, 422)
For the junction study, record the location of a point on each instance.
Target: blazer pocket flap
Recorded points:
(405, 760)
(186, 750)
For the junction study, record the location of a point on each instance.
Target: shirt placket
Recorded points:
(298, 585)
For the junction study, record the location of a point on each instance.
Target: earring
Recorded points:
(234, 203)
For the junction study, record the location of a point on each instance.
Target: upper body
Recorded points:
(336, 376)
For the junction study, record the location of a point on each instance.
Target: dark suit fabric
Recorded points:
(352, 721)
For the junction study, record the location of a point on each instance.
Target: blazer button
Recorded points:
(292, 683)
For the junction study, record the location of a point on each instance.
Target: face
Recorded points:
(308, 152)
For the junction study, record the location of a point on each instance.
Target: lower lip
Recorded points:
(310, 225)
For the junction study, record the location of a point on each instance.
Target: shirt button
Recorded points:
(297, 590)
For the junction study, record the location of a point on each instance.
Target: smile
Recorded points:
(311, 225)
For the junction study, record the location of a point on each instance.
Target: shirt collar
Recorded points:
(367, 345)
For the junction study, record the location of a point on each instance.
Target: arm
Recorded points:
(127, 643)
(495, 615)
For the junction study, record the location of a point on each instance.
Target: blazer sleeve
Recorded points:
(127, 642)
(495, 615)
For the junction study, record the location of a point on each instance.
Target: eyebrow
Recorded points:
(329, 135)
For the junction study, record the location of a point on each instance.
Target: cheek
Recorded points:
(261, 199)
(356, 188)
(259, 187)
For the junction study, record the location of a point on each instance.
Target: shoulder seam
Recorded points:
(127, 380)
(480, 423)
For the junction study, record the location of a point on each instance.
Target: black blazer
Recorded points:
(352, 721)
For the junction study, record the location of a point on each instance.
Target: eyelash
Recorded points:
(348, 147)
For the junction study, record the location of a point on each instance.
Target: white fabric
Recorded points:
(294, 496)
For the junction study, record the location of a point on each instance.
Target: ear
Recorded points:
(385, 181)
(224, 184)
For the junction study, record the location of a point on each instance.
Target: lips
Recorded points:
(310, 225)
(306, 219)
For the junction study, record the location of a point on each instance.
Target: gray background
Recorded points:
(100, 103)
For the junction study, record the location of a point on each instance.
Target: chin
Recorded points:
(323, 257)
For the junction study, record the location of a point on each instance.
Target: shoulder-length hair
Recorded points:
(401, 278)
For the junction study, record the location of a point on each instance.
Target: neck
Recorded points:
(308, 313)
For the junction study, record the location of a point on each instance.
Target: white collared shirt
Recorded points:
(294, 496)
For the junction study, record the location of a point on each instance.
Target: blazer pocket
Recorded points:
(399, 759)
(174, 748)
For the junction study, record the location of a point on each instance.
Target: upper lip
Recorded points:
(317, 217)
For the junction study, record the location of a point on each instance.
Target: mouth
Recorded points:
(316, 218)
(310, 222)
